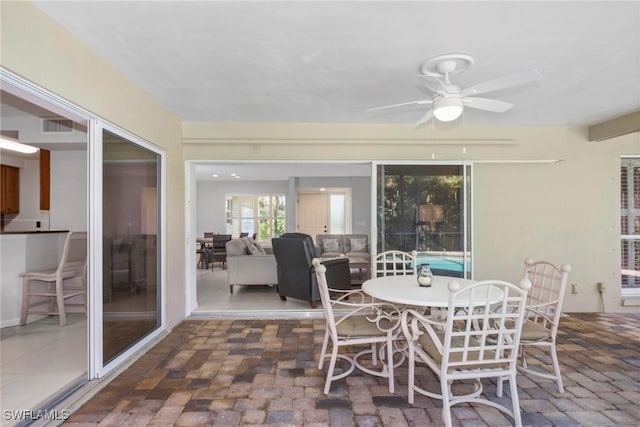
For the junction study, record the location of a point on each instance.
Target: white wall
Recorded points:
(565, 212)
(69, 190)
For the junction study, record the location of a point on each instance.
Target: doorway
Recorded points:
(324, 211)
(313, 213)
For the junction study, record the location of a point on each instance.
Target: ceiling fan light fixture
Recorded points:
(13, 145)
(447, 109)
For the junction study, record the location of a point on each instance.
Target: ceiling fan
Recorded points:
(449, 100)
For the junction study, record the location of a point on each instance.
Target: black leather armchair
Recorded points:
(294, 253)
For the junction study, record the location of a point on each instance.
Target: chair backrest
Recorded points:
(294, 249)
(483, 325)
(547, 292)
(208, 235)
(74, 253)
(220, 240)
(394, 263)
(325, 298)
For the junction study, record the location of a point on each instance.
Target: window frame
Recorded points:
(234, 223)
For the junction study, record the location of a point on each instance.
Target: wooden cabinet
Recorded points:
(9, 189)
(45, 180)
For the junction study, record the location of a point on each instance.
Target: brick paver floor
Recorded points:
(264, 372)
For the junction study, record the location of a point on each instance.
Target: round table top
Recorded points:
(405, 290)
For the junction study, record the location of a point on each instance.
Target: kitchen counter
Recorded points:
(34, 232)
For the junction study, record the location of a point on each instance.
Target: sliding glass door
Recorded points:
(426, 207)
(131, 239)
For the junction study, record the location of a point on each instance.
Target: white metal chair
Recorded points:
(52, 292)
(544, 307)
(394, 263)
(364, 323)
(478, 339)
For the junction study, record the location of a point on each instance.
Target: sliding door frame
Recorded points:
(467, 197)
(37, 95)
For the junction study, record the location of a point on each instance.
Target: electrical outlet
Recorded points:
(574, 288)
(602, 288)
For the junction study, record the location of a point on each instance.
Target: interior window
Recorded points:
(263, 215)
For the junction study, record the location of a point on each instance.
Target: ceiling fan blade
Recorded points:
(492, 105)
(509, 80)
(426, 118)
(421, 102)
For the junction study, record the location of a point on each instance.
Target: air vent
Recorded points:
(57, 125)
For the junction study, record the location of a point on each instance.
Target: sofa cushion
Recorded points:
(262, 250)
(236, 247)
(330, 245)
(253, 250)
(358, 245)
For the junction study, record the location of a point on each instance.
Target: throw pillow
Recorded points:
(260, 248)
(330, 245)
(359, 245)
(253, 250)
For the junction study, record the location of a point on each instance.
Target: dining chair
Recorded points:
(358, 322)
(47, 292)
(479, 339)
(394, 263)
(219, 249)
(544, 307)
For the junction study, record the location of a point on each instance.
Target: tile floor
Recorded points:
(41, 358)
(264, 372)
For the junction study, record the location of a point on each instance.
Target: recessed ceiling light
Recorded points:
(236, 176)
(323, 189)
(233, 174)
(215, 175)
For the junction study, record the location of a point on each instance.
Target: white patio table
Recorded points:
(405, 290)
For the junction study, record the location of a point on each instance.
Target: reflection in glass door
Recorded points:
(131, 241)
(426, 208)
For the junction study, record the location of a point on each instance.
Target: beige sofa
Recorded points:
(250, 264)
(336, 245)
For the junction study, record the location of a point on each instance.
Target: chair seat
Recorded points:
(357, 326)
(50, 275)
(532, 331)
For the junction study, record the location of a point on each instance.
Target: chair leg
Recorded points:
(499, 386)
(25, 301)
(323, 352)
(390, 364)
(556, 368)
(60, 302)
(445, 389)
(411, 379)
(332, 365)
(515, 400)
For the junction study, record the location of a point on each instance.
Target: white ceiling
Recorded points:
(326, 62)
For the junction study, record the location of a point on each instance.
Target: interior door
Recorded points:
(313, 213)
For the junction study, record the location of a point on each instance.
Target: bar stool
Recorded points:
(46, 292)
